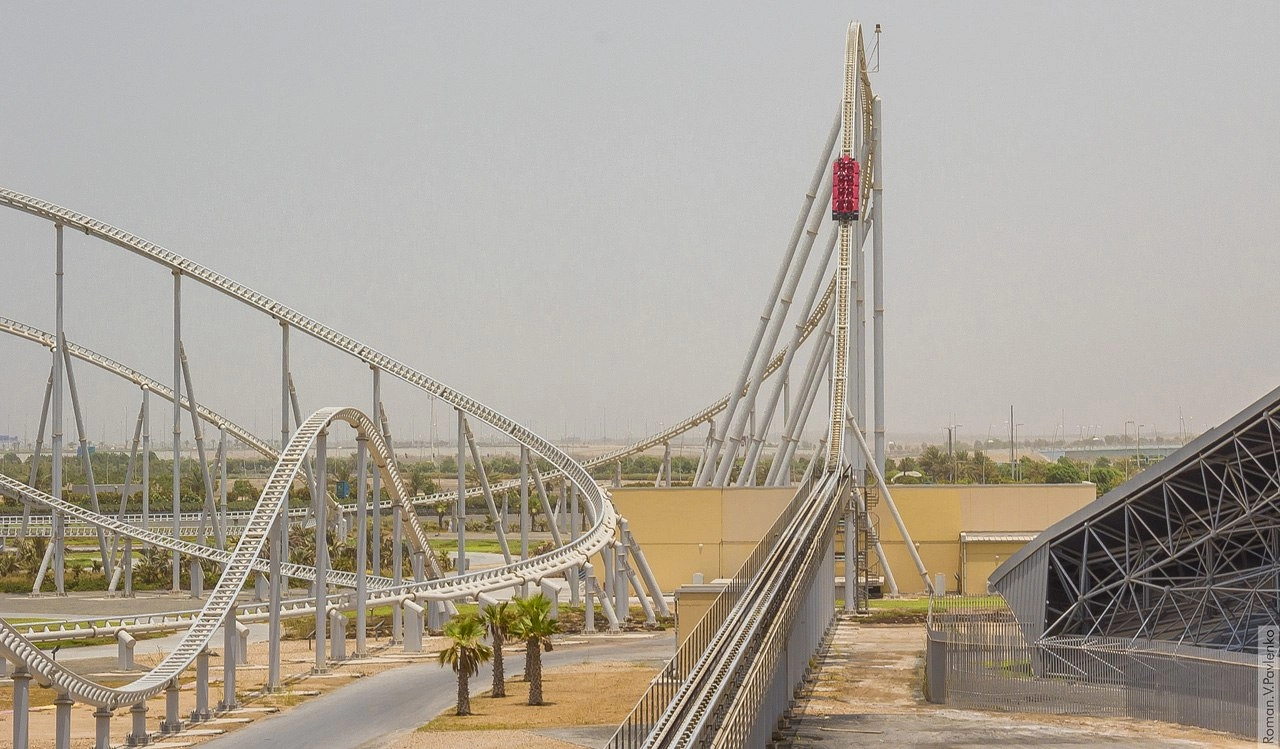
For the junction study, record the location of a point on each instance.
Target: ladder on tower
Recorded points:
(864, 545)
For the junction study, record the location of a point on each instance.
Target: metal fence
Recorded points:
(976, 657)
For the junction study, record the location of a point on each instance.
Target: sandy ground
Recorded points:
(867, 692)
(596, 696)
(503, 739)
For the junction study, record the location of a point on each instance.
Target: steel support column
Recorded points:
(362, 545)
(177, 428)
(21, 706)
(320, 509)
(55, 444)
(460, 509)
(877, 282)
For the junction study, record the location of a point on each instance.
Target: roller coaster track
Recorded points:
(245, 558)
(35, 335)
(710, 692)
(717, 702)
(287, 316)
(241, 562)
(46, 339)
(703, 416)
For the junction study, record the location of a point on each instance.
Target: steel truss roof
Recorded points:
(1186, 552)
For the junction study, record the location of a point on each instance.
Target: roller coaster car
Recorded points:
(845, 189)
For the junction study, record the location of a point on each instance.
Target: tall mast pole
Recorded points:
(840, 373)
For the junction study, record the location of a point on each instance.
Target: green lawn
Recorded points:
(450, 545)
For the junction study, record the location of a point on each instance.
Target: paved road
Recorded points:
(372, 711)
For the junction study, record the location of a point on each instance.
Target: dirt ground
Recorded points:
(587, 694)
(602, 692)
(868, 693)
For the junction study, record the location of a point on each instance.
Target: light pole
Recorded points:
(1126, 441)
(1013, 449)
(1137, 447)
(952, 431)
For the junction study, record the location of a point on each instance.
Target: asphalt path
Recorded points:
(373, 711)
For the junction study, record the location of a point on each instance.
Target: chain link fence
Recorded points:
(977, 657)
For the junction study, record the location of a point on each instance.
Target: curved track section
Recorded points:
(576, 472)
(286, 315)
(35, 335)
(46, 339)
(597, 503)
(241, 563)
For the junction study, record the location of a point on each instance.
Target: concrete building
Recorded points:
(963, 532)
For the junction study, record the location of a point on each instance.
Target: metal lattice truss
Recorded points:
(1187, 552)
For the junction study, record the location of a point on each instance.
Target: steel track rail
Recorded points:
(697, 697)
(737, 702)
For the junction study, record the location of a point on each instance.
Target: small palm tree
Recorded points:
(465, 654)
(534, 625)
(498, 617)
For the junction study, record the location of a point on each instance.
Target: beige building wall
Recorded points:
(684, 530)
(936, 515)
(978, 559)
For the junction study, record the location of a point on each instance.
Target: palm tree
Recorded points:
(534, 625)
(498, 617)
(465, 654)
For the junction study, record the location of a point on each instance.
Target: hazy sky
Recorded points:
(573, 211)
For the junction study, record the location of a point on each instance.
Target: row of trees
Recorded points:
(933, 466)
(526, 620)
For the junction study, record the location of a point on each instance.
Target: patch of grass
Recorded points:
(87, 641)
(40, 696)
(899, 604)
(916, 610)
(487, 545)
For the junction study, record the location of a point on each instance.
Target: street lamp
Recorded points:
(1137, 447)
